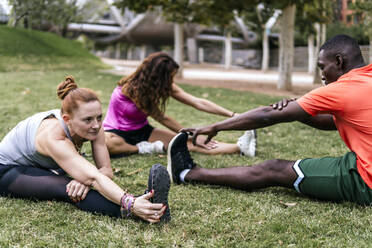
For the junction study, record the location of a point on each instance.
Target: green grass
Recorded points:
(202, 216)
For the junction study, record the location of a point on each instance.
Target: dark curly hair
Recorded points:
(149, 87)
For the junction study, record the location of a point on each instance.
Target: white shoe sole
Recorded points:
(248, 145)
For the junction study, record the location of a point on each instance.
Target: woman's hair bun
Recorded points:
(66, 87)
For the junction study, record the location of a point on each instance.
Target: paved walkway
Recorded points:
(216, 72)
(237, 78)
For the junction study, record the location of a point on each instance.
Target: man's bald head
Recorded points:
(346, 47)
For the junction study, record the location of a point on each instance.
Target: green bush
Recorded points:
(355, 31)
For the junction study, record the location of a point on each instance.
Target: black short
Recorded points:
(135, 136)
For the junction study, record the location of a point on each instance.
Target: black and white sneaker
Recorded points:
(159, 181)
(179, 157)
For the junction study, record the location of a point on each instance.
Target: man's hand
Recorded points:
(282, 103)
(76, 190)
(208, 130)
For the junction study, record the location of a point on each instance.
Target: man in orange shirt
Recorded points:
(343, 104)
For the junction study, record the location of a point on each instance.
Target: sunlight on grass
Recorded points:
(202, 216)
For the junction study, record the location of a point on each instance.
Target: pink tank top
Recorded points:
(123, 114)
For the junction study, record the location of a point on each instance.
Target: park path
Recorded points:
(236, 78)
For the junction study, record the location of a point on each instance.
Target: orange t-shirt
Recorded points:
(349, 100)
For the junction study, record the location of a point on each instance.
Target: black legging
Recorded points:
(40, 184)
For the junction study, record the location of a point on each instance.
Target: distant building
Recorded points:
(345, 14)
(4, 17)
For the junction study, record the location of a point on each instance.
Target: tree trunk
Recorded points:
(117, 51)
(201, 55)
(130, 53)
(324, 33)
(25, 22)
(316, 74)
(286, 48)
(370, 49)
(368, 22)
(265, 51)
(18, 18)
(192, 50)
(29, 21)
(64, 31)
(311, 54)
(178, 46)
(143, 52)
(228, 50)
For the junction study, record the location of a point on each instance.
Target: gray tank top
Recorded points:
(18, 146)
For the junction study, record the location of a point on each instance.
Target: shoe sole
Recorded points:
(169, 163)
(255, 148)
(160, 184)
(255, 141)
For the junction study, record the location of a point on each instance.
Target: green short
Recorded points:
(335, 179)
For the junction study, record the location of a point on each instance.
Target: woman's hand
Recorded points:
(200, 141)
(76, 190)
(146, 210)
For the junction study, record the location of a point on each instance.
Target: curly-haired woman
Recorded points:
(36, 155)
(145, 93)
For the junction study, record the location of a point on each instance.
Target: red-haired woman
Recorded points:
(145, 93)
(36, 155)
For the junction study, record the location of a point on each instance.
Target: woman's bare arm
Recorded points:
(101, 156)
(168, 122)
(199, 103)
(52, 142)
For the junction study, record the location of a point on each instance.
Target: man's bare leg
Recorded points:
(181, 167)
(266, 174)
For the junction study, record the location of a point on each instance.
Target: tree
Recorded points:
(45, 13)
(310, 11)
(205, 12)
(266, 19)
(286, 47)
(192, 31)
(365, 8)
(286, 39)
(310, 21)
(221, 13)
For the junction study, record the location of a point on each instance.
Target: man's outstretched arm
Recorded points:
(322, 121)
(253, 119)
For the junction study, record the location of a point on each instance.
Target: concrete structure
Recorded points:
(4, 17)
(212, 72)
(151, 29)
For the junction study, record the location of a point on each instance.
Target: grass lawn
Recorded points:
(202, 216)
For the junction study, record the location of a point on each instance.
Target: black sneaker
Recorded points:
(179, 157)
(159, 182)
